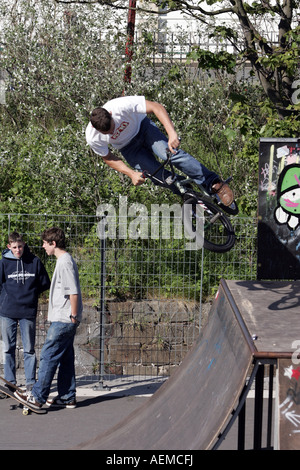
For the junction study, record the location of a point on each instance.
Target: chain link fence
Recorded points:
(144, 299)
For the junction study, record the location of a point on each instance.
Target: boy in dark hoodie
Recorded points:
(23, 278)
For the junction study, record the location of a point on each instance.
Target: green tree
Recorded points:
(264, 32)
(62, 64)
(56, 69)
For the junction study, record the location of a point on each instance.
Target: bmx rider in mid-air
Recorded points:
(123, 124)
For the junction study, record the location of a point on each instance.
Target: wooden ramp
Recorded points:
(248, 322)
(190, 409)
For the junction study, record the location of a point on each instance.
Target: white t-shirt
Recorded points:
(127, 113)
(65, 281)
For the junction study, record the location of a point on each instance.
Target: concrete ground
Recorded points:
(97, 411)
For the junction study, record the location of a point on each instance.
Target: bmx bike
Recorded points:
(203, 214)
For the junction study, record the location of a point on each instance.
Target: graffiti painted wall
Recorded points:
(288, 413)
(279, 209)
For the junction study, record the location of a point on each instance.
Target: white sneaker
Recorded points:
(28, 400)
(60, 403)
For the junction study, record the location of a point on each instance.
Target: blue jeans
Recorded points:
(9, 336)
(57, 352)
(150, 140)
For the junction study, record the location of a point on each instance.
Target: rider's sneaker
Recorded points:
(60, 403)
(224, 192)
(28, 400)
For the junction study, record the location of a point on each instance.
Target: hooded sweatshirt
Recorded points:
(21, 282)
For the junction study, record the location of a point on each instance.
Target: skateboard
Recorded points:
(26, 408)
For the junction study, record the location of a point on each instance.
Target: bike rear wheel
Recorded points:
(207, 225)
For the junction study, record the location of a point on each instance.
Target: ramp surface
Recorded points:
(270, 311)
(192, 407)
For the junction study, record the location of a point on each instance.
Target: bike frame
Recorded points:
(181, 185)
(172, 179)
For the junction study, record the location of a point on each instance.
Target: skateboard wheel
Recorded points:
(25, 411)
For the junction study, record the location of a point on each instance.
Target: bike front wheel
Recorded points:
(207, 225)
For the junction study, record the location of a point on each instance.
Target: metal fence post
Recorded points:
(100, 385)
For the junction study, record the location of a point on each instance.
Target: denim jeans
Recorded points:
(57, 352)
(9, 335)
(150, 140)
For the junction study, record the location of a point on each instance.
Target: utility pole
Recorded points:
(130, 39)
